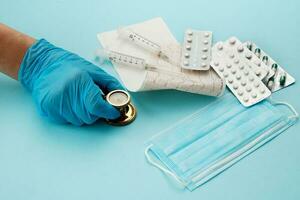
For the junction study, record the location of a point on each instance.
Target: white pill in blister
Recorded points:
(204, 57)
(241, 66)
(256, 84)
(186, 63)
(240, 92)
(216, 63)
(221, 69)
(251, 78)
(258, 63)
(189, 32)
(205, 49)
(235, 86)
(226, 74)
(203, 65)
(262, 90)
(189, 40)
(188, 47)
(243, 82)
(240, 48)
(205, 41)
(248, 55)
(257, 72)
(206, 34)
(236, 61)
(231, 55)
(220, 46)
(254, 95)
(186, 55)
(246, 72)
(246, 99)
(238, 77)
(232, 41)
(228, 65)
(233, 71)
(230, 80)
(248, 89)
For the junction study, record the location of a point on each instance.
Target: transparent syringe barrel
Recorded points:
(139, 40)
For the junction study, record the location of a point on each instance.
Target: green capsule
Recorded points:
(282, 79)
(265, 59)
(249, 46)
(257, 52)
(274, 67)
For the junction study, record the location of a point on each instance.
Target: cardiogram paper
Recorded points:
(135, 79)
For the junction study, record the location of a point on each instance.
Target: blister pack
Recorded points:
(236, 51)
(279, 78)
(228, 61)
(196, 50)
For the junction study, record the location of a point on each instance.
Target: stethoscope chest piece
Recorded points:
(120, 99)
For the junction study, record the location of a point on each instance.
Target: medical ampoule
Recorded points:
(141, 41)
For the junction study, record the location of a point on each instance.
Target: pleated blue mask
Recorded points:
(212, 139)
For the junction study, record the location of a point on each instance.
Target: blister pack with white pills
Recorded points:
(279, 78)
(237, 52)
(240, 77)
(196, 50)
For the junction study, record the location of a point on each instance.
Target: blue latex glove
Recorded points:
(65, 87)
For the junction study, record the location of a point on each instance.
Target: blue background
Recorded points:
(43, 160)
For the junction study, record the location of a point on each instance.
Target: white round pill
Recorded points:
(251, 78)
(189, 40)
(236, 61)
(188, 47)
(235, 86)
(232, 41)
(187, 55)
(246, 99)
(248, 89)
(233, 71)
(241, 66)
(256, 84)
(254, 95)
(205, 41)
(240, 92)
(230, 80)
(205, 49)
(246, 72)
(238, 77)
(240, 48)
(231, 55)
(228, 65)
(203, 65)
(257, 72)
(206, 34)
(216, 63)
(262, 90)
(226, 74)
(221, 69)
(220, 46)
(243, 82)
(204, 57)
(248, 55)
(189, 32)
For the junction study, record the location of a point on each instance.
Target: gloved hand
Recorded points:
(65, 87)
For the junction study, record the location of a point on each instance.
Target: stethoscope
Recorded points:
(121, 100)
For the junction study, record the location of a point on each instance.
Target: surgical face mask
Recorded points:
(204, 144)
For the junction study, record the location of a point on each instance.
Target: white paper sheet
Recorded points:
(200, 82)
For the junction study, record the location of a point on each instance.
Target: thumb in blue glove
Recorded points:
(65, 87)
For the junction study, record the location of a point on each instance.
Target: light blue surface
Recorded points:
(42, 160)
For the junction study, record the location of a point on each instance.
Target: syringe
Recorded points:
(128, 34)
(133, 61)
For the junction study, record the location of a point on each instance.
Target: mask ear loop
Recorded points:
(162, 168)
(292, 117)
